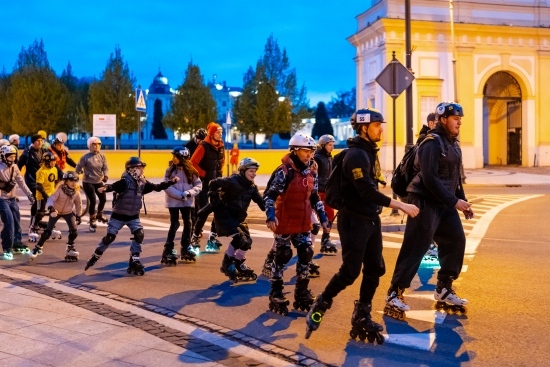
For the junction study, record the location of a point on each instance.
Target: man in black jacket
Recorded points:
(323, 158)
(359, 227)
(430, 124)
(437, 189)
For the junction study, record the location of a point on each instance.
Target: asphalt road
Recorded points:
(505, 280)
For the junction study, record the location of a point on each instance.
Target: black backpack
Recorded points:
(334, 193)
(405, 170)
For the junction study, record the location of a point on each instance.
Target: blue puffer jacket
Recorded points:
(175, 195)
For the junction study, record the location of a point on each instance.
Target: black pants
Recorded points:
(34, 206)
(201, 202)
(175, 224)
(90, 190)
(70, 219)
(361, 240)
(435, 222)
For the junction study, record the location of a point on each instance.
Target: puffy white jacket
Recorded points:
(176, 195)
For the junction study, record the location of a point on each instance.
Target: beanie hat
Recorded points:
(212, 128)
(35, 137)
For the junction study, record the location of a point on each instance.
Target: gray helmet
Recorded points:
(325, 139)
(247, 163)
(446, 109)
(365, 116)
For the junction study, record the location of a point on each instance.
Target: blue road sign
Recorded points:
(140, 101)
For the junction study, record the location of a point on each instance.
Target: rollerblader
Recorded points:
(230, 198)
(208, 159)
(359, 226)
(31, 159)
(9, 209)
(447, 300)
(290, 197)
(46, 179)
(438, 188)
(180, 200)
(65, 203)
(61, 154)
(323, 158)
(96, 173)
(127, 202)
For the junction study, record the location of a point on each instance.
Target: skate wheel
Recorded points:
(296, 305)
(254, 277)
(380, 339)
(271, 307)
(129, 271)
(371, 338)
(284, 311)
(353, 334)
(141, 272)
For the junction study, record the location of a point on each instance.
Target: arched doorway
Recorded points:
(502, 121)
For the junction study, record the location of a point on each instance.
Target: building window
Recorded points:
(427, 106)
(372, 103)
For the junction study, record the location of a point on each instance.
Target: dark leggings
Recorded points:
(91, 191)
(175, 224)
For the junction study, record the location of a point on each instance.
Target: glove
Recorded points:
(32, 200)
(105, 178)
(78, 220)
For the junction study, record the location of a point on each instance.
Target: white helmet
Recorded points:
(325, 139)
(4, 142)
(5, 151)
(93, 140)
(14, 138)
(301, 141)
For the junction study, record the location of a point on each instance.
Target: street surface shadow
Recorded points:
(267, 325)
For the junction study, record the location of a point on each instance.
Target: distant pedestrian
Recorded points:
(323, 158)
(194, 142)
(234, 157)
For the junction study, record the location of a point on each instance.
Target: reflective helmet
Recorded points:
(181, 153)
(6, 151)
(70, 175)
(247, 163)
(200, 134)
(365, 116)
(48, 157)
(301, 141)
(325, 139)
(93, 140)
(446, 109)
(134, 162)
(14, 139)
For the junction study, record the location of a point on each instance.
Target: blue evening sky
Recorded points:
(221, 37)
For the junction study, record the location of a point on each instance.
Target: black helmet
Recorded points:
(47, 157)
(58, 140)
(134, 162)
(365, 116)
(200, 134)
(70, 175)
(446, 109)
(181, 153)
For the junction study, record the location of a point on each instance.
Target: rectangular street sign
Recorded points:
(140, 101)
(104, 125)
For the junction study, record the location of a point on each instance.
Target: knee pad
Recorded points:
(283, 255)
(108, 239)
(139, 235)
(316, 228)
(305, 254)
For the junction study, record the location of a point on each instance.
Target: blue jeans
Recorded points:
(115, 225)
(9, 213)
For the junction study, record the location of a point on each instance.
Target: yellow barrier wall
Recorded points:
(157, 160)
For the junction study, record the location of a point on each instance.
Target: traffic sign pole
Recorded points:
(140, 107)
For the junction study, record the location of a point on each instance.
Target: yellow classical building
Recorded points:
(502, 53)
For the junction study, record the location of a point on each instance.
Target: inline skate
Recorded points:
(37, 250)
(195, 244)
(327, 247)
(33, 234)
(93, 225)
(228, 267)
(56, 235)
(134, 265)
(303, 298)
(8, 255)
(243, 271)
(362, 325)
(20, 248)
(96, 255)
(268, 264)
(72, 254)
(431, 256)
(101, 218)
(213, 244)
(278, 303)
(314, 269)
(395, 304)
(188, 253)
(447, 300)
(169, 255)
(316, 313)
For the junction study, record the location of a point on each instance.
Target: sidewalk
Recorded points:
(491, 176)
